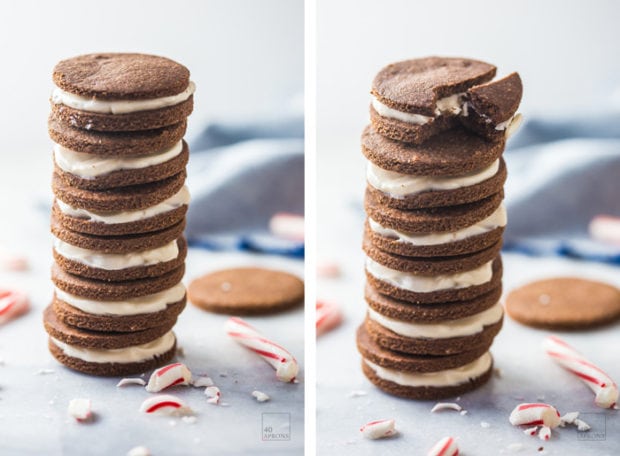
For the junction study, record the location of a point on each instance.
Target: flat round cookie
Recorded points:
(246, 291)
(564, 303)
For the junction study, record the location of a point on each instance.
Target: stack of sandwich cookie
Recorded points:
(117, 123)
(434, 226)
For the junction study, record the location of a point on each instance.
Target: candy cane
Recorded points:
(167, 376)
(214, 394)
(604, 388)
(545, 433)
(165, 404)
(279, 358)
(536, 414)
(130, 381)
(12, 304)
(445, 447)
(328, 316)
(378, 429)
(327, 269)
(80, 409)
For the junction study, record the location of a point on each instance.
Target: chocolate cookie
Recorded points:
(115, 144)
(431, 220)
(432, 265)
(442, 295)
(75, 317)
(246, 291)
(441, 198)
(114, 291)
(564, 303)
(127, 177)
(85, 83)
(78, 268)
(128, 198)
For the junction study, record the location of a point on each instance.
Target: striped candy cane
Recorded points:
(535, 414)
(378, 429)
(445, 447)
(165, 404)
(167, 376)
(12, 304)
(278, 357)
(328, 316)
(604, 388)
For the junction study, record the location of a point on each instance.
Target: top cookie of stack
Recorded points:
(118, 121)
(433, 234)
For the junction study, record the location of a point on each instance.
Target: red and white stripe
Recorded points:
(328, 316)
(535, 414)
(378, 429)
(287, 226)
(167, 376)
(214, 394)
(604, 388)
(445, 447)
(327, 269)
(13, 303)
(278, 357)
(165, 404)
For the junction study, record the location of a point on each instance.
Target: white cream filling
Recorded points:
(89, 166)
(447, 105)
(181, 198)
(117, 261)
(495, 220)
(92, 104)
(134, 306)
(134, 354)
(511, 125)
(467, 326)
(448, 377)
(427, 284)
(400, 185)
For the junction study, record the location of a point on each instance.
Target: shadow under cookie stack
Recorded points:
(434, 226)
(117, 122)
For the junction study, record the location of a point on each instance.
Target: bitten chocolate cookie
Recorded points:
(423, 376)
(246, 291)
(121, 92)
(564, 303)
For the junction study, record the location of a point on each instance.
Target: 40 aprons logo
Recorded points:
(276, 426)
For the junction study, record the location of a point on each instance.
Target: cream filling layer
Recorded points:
(467, 326)
(91, 104)
(427, 284)
(181, 198)
(448, 377)
(89, 166)
(134, 354)
(117, 261)
(400, 185)
(495, 220)
(448, 105)
(134, 306)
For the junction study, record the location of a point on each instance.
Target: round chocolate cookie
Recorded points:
(432, 265)
(72, 316)
(117, 244)
(127, 177)
(441, 198)
(564, 303)
(114, 291)
(128, 198)
(453, 153)
(121, 77)
(432, 220)
(115, 144)
(462, 247)
(132, 273)
(246, 291)
(439, 296)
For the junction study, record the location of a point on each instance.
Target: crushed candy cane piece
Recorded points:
(605, 228)
(485, 424)
(13, 304)
(582, 425)
(445, 447)
(327, 269)
(531, 431)
(463, 412)
(131, 381)
(278, 357)
(287, 226)
(14, 263)
(358, 393)
(328, 317)
(44, 371)
(167, 376)
(80, 409)
(568, 418)
(439, 406)
(260, 396)
(378, 429)
(139, 451)
(200, 382)
(605, 389)
(544, 433)
(535, 414)
(214, 394)
(165, 404)
(189, 419)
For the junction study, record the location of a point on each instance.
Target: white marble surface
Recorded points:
(527, 374)
(33, 406)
